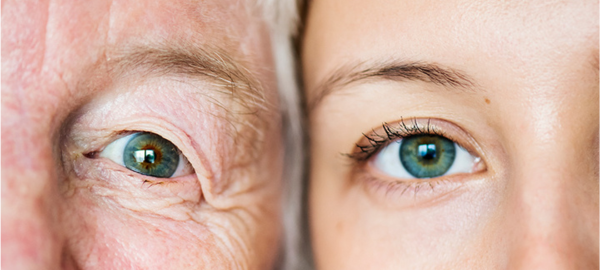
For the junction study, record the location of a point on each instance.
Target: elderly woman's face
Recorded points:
(453, 134)
(138, 135)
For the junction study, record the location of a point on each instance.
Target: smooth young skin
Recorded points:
(78, 76)
(528, 108)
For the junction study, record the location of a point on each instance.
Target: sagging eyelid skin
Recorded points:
(139, 136)
(216, 141)
(203, 134)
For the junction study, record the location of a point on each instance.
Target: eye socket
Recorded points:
(148, 154)
(424, 156)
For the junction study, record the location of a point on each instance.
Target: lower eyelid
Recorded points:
(104, 174)
(414, 192)
(130, 193)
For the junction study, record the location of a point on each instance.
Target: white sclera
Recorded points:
(388, 161)
(114, 151)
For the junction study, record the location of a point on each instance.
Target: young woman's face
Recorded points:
(453, 134)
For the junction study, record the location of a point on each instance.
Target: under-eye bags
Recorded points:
(148, 154)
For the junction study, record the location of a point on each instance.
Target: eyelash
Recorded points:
(377, 141)
(396, 191)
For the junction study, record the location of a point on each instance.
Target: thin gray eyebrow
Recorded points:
(242, 98)
(211, 64)
(395, 71)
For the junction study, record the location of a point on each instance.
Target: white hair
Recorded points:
(283, 17)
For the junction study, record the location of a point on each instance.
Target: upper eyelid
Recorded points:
(96, 122)
(390, 136)
(111, 139)
(409, 127)
(228, 78)
(111, 144)
(88, 134)
(184, 148)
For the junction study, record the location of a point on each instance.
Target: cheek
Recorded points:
(110, 222)
(132, 225)
(435, 235)
(102, 236)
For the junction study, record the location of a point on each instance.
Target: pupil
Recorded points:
(427, 156)
(150, 154)
(427, 151)
(145, 156)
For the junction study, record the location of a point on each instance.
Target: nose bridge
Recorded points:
(31, 237)
(548, 207)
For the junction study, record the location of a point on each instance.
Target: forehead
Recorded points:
(509, 32)
(116, 21)
(63, 37)
(232, 24)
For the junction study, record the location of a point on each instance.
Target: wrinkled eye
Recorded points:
(424, 156)
(148, 154)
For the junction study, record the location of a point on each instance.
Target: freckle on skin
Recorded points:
(487, 101)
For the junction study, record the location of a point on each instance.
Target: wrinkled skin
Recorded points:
(530, 114)
(64, 99)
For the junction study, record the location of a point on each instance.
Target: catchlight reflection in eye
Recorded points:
(424, 156)
(148, 154)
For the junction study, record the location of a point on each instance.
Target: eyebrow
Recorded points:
(212, 64)
(242, 98)
(394, 71)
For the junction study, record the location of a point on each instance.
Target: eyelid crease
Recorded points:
(249, 117)
(378, 141)
(236, 88)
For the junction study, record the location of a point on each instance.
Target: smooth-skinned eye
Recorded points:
(423, 156)
(148, 154)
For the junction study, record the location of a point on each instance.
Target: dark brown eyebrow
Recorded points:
(395, 71)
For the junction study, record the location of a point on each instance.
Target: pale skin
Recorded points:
(528, 109)
(78, 76)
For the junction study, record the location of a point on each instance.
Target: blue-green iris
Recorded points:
(427, 156)
(152, 155)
